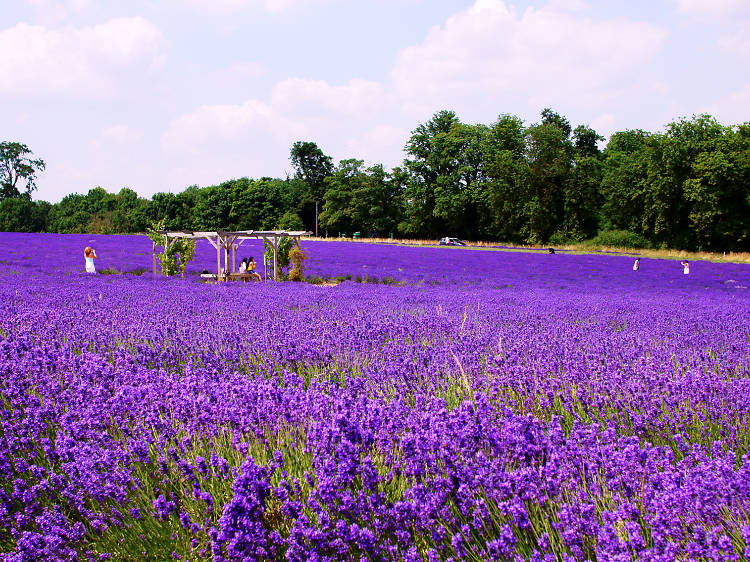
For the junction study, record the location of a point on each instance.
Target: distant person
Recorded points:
(551, 250)
(637, 264)
(251, 268)
(685, 267)
(89, 256)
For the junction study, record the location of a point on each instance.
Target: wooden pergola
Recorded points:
(229, 241)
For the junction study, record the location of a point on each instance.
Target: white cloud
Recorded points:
(380, 144)
(732, 108)
(719, 9)
(254, 137)
(297, 107)
(84, 60)
(491, 52)
(123, 134)
(233, 6)
(360, 98)
(211, 124)
(55, 11)
(738, 44)
(248, 69)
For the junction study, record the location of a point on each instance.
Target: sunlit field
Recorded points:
(416, 403)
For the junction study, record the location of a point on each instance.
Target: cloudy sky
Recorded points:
(157, 95)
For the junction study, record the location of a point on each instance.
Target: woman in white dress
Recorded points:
(89, 255)
(685, 267)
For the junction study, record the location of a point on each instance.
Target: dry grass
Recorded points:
(728, 257)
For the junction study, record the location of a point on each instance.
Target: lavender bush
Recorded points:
(490, 405)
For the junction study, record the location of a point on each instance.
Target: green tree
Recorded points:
(549, 156)
(446, 168)
(259, 204)
(338, 210)
(213, 205)
(376, 202)
(18, 170)
(312, 166)
(504, 194)
(23, 215)
(130, 212)
(668, 209)
(550, 117)
(718, 194)
(582, 191)
(625, 178)
(69, 215)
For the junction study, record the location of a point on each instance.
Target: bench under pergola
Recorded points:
(229, 241)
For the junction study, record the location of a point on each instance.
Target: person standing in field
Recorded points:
(637, 264)
(685, 267)
(89, 256)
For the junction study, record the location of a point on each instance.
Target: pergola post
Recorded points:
(275, 258)
(226, 258)
(153, 254)
(218, 259)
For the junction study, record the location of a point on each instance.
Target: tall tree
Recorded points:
(717, 191)
(504, 194)
(129, 214)
(18, 170)
(668, 210)
(312, 166)
(550, 117)
(434, 164)
(549, 154)
(625, 180)
(19, 214)
(582, 190)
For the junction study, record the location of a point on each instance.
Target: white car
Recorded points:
(447, 241)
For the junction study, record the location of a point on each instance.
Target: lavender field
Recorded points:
(457, 404)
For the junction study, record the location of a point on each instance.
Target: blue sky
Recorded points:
(157, 95)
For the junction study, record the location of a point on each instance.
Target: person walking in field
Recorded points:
(89, 256)
(637, 264)
(685, 267)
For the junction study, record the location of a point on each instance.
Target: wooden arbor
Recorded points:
(229, 241)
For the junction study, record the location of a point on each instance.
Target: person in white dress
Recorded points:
(637, 264)
(685, 267)
(89, 256)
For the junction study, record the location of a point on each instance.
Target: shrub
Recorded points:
(619, 239)
(297, 257)
(137, 271)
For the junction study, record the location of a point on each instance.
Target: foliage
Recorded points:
(174, 256)
(297, 257)
(19, 214)
(619, 239)
(18, 170)
(548, 182)
(283, 249)
(312, 167)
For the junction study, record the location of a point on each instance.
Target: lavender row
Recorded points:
(542, 414)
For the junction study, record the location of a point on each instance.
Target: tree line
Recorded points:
(548, 183)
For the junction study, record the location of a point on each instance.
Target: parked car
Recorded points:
(447, 241)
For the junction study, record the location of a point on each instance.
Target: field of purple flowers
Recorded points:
(479, 404)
